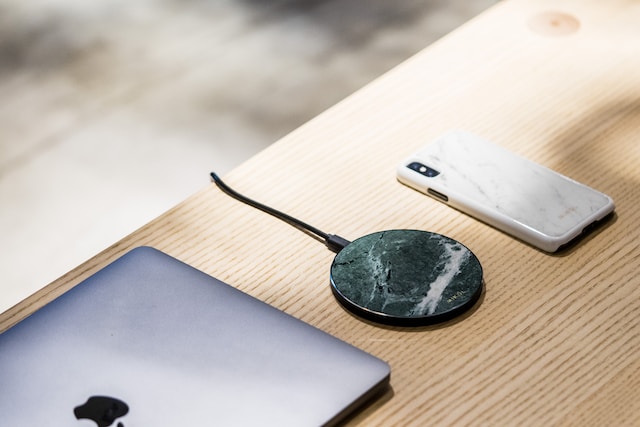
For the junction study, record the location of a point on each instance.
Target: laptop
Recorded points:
(151, 341)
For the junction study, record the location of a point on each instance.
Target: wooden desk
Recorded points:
(555, 340)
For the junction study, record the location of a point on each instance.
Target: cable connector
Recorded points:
(335, 243)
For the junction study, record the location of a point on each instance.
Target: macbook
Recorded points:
(150, 341)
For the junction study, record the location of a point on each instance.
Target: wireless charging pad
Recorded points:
(396, 277)
(406, 277)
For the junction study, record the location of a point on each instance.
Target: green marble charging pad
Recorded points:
(406, 277)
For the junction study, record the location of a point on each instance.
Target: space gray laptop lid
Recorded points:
(150, 341)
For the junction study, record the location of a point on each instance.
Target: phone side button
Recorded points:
(437, 194)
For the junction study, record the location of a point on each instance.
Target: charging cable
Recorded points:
(334, 242)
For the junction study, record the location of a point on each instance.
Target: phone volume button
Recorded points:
(437, 194)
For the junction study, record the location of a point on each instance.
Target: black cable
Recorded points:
(332, 241)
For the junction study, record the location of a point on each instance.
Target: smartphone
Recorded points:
(511, 193)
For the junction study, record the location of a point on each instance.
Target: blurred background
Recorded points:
(113, 111)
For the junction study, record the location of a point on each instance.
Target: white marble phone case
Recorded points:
(509, 192)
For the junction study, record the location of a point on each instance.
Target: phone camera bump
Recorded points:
(423, 169)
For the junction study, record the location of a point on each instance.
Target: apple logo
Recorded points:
(102, 409)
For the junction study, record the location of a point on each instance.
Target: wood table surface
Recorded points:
(555, 339)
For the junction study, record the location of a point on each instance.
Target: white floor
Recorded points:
(114, 111)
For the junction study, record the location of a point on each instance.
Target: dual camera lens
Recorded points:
(423, 169)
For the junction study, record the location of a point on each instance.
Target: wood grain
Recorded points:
(555, 339)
